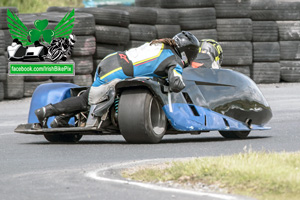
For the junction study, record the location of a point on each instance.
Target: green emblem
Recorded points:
(19, 31)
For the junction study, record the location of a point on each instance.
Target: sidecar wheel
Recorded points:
(235, 134)
(141, 118)
(63, 138)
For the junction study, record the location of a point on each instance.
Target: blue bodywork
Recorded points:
(49, 93)
(182, 118)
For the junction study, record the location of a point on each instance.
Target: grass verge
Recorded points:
(262, 175)
(37, 6)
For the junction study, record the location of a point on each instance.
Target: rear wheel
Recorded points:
(141, 118)
(235, 134)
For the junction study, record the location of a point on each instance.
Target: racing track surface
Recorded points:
(31, 168)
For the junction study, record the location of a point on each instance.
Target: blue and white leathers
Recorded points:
(156, 60)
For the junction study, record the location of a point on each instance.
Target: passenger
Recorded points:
(210, 55)
(160, 58)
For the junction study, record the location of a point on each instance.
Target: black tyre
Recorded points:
(205, 34)
(84, 46)
(29, 87)
(234, 29)
(7, 38)
(83, 80)
(2, 42)
(275, 10)
(83, 65)
(235, 134)
(266, 72)
(266, 52)
(14, 87)
(58, 138)
(106, 16)
(290, 71)
(112, 35)
(137, 14)
(3, 68)
(186, 3)
(141, 118)
(1, 91)
(197, 18)
(103, 50)
(233, 8)
(62, 78)
(237, 53)
(134, 43)
(167, 31)
(3, 16)
(167, 16)
(289, 50)
(142, 32)
(265, 31)
(289, 30)
(242, 69)
(36, 78)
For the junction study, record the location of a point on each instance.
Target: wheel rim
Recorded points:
(157, 117)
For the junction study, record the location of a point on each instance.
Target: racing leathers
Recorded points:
(156, 60)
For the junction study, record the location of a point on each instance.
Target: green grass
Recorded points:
(38, 6)
(257, 174)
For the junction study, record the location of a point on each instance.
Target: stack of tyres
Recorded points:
(11, 87)
(286, 15)
(196, 16)
(3, 65)
(234, 27)
(111, 31)
(141, 29)
(266, 47)
(167, 23)
(289, 35)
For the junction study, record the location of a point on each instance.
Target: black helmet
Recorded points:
(212, 48)
(188, 46)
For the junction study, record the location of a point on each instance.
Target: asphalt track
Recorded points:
(31, 168)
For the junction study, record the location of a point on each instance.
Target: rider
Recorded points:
(160, 58)
(210, 55)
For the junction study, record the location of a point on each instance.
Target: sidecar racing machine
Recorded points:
(143, 110)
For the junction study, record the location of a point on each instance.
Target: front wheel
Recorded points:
(235, 134)
(141, 118)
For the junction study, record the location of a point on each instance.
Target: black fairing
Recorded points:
(227, 92)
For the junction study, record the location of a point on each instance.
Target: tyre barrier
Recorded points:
(290, 71)
(265, 31)
(259, 38)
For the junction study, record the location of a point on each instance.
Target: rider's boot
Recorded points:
(62, 121)
(44, 112)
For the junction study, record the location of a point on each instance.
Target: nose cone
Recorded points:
(230, 93)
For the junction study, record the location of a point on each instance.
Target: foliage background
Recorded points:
(37, 6)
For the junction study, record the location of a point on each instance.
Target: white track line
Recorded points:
(95, 175)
